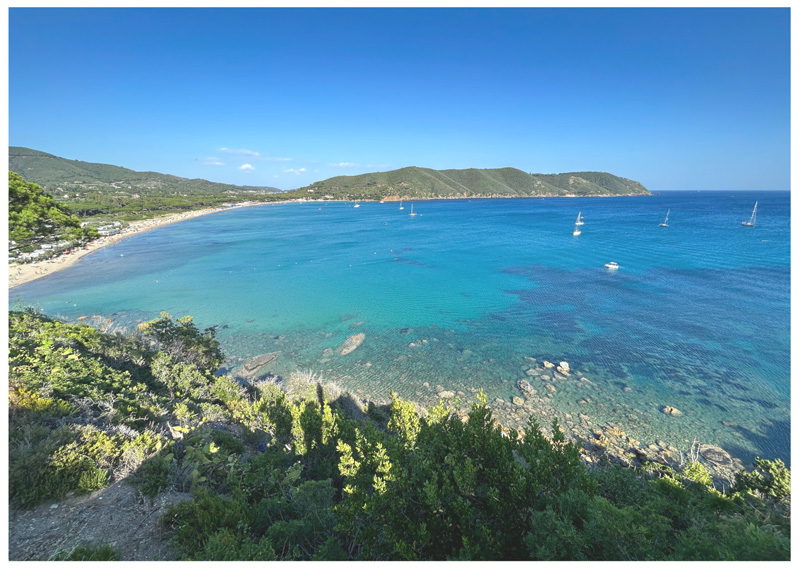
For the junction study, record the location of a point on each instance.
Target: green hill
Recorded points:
(425, 183)
(55, 174)
(105, 192)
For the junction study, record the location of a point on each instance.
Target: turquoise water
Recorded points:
(464, 295)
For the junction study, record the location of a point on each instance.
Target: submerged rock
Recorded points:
(518, 401)
(672, 411)
(447, 394)
(253, 365)
(547, 365)
(351, 343)
(526, 388)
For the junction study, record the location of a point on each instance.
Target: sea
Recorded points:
(475, 294)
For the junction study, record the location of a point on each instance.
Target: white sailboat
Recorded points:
(752, 221)
(401, 205)
(578, 224)
(664, 224)
(357, 204)
(412, 214)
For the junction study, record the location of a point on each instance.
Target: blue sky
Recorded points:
(673, 98)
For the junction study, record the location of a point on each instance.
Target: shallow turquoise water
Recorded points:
(697, 317)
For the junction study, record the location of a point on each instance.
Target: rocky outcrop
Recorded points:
(715, 454)
(351, 343)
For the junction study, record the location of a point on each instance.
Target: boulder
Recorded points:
(547, 365)
(253, 365)
(715, 454)
(672, 411)
(525, 387)
(351, 343)
(447, 394)
(564, 365)
(518, 401)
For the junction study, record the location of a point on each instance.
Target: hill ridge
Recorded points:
(414, 182)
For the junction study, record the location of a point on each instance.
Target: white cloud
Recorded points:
(293, 171)
(213, 162)
(273, 159)
(246, 167)
(253, 154)
(344, 165)
(241, 152)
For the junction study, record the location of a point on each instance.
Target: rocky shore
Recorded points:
(599, 442)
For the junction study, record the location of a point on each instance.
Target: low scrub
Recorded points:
(315, 477)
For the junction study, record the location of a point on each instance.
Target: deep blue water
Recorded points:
(697, 316)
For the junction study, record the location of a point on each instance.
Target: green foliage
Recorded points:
(298, 478)
(697, 472)
(34, 217)
(76, 459)
(100, 552)
(184, 343)
(770, 478)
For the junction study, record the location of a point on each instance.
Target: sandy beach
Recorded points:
(19, 274)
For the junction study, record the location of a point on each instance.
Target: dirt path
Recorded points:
(117, 515)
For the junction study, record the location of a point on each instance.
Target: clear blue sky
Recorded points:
(673, 98)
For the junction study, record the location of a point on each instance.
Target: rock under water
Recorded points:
(351, 343)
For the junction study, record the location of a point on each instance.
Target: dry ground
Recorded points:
(118, 515)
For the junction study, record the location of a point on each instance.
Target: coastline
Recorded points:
(19, 274)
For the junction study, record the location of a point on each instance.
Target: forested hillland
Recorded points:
(90, 189)
(424, 183)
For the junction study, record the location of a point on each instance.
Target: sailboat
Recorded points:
(357, 204)
(752, 221)
(664, 224)
(412, 214)
(401, 205)
(578, 224)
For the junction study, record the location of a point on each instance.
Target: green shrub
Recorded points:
(770, 478)
(100, 552)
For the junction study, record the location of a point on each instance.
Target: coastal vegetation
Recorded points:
(294, 468)
(35, 219)
(95, 191)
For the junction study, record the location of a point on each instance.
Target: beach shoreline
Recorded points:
(19, 274)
